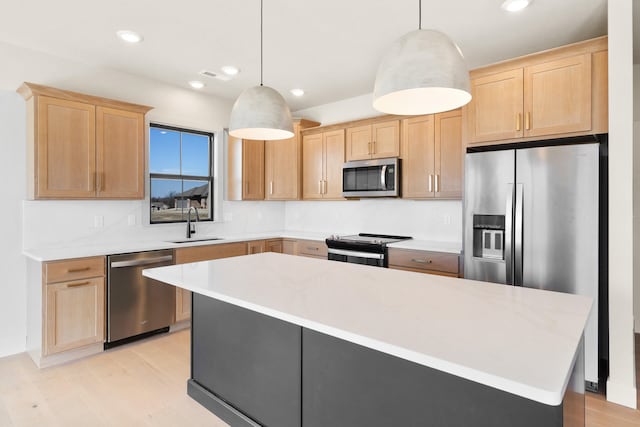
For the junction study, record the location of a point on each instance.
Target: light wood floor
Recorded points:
(144, 384)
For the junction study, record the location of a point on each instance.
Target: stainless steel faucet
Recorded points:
(190, 230)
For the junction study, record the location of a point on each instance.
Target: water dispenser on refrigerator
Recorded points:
(488, 236)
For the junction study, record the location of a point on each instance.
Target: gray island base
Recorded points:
(280, 341)
(254, 370)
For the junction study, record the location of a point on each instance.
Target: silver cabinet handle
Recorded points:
(508, 234)
(383, 177)
(430, 183)
(139, 262)
(422, 261)
(270, 187)
(437, 183)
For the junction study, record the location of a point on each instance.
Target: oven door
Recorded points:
(356, 257)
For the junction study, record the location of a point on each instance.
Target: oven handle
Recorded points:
(355, 253)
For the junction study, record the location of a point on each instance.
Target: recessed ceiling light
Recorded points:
(230, 70)
(196, 84)
(297, 92)
(515, 5)
(129, 36)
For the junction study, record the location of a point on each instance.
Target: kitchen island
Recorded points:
(289, 341)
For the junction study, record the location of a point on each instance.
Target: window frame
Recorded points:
(208, 179)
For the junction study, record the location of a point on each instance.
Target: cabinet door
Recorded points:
(252, 170)
(119, 154)
(255, 247)
(274, 245)
(557, 96)
(65, 152)
(334, 160)
(281, 168)
(183, 304)
(75, 314)
(449, 158)
(359, 143)
(418, 157)
(312, 166)
(495, 111)
(386, 139)
(208, 252)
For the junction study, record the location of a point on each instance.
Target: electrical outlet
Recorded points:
(98, 221)
(447, 220)
(228, 217)
(131, 220)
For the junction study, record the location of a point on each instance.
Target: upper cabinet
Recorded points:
(283, 164)
(322, 160)
(265, 170)
(432, 156)
(557, 93)
(83, 147)
(373, 141)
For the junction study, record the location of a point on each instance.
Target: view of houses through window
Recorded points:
(180, 174)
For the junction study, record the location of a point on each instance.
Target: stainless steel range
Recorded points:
(363, 248)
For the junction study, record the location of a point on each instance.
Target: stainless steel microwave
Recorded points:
(371, 178)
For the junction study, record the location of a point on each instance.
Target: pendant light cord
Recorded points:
(419, 14)
(261, 49)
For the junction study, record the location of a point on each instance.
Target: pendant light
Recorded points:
(260, 112)
(423, 73)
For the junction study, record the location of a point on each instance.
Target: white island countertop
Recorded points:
(522, 341)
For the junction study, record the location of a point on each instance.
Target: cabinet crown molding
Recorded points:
(28, 90)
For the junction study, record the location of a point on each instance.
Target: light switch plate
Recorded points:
(98, 221)
(131, 220)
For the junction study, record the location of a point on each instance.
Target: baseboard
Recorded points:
(622, 394)
(183, 324)
(67, 356)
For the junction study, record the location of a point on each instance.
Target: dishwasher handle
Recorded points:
(140, 262)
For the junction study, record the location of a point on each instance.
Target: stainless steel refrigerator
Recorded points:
(531, 218)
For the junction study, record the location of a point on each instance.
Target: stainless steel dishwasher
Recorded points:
(136, 305)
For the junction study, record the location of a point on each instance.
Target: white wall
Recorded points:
(621, 385)
(359, 107)
(64, 223)
(436, 220)
(636, 198)
(12, 263)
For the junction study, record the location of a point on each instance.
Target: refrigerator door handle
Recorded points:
(518, 259)
(508, 235)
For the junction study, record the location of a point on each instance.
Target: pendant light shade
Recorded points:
(423, 73)
(260, 112)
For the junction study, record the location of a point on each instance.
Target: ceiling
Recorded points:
(330, 48)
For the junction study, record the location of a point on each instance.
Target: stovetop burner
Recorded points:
(364, 241)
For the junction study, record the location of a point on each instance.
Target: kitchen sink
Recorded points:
(204, 239)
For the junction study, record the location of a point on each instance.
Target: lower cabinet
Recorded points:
(203, 253)
(74, 304)
(440, 263)
(311, 248)
(255, 247)
(274, 245)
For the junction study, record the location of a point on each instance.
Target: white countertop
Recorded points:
(110, 248)
(515, 339)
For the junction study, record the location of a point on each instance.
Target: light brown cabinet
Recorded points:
(252, 170)
(322, 160)
(432, 156)
(274, 245)
(196, 254)
(255, 247)
(311, 248)
(74, 304)
(83, 147)
(440, 263)
(283, 164)
(373, 141)
(556, 93)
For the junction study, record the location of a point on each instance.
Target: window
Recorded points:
(180, 173)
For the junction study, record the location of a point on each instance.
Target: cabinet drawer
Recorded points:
(423, 260)
(61, 271)
(209, 252)
(312, 248)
